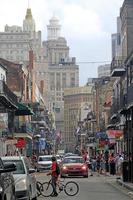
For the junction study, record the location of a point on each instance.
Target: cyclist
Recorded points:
(54, 175)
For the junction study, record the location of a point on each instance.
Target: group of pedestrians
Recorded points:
(101, 163)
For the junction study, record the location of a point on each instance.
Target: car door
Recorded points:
(32, 178)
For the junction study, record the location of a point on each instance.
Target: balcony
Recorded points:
(114, 108)
(8, 99)
(130, 96)
(117, 68)
(24, 128)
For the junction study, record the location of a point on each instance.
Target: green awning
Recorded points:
(23, 110)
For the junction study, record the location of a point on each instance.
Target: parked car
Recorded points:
(70, 154)
(74, 166)
(44, 163)
(25, 180)
(7, 183)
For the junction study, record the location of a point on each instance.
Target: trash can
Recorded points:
(125, 171)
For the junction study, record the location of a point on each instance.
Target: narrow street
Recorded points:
(93, 188)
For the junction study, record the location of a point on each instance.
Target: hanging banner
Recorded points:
(115, 134)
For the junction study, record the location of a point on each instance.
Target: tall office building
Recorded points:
(104, 70)
(54, 69)
(16, 41)
(116, 41)
(62, 69)
(126, 15)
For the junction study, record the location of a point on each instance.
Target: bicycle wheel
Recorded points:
(46, 189)
(71, 188)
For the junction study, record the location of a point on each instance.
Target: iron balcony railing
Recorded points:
(117, 64)
(24, 128)
(130, 95)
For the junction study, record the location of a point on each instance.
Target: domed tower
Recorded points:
(28, 22)
(53, 29)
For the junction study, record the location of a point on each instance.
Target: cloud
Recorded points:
(79, 19)
(86, 24)
(81, 23)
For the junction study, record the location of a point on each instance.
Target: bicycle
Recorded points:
(45, 189)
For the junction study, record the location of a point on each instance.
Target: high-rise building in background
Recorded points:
(126, 15)
(116, 41)
(54, 69)
(104, 70)
(16, 41)
(62, 70)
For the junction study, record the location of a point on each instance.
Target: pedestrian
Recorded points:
(54, 175)
(112, 164)
(94, 163)
(98, 160)
(120, 161)
(116, 163)
(102, 165)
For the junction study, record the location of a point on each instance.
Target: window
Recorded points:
(72, 80)
(19, 165)
(52, 81)
(63, 80)
(58, 81)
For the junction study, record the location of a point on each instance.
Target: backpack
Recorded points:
(57, 169)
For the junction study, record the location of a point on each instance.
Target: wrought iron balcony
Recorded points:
(114, 108)
(24, 128)
(7, 98)
(130, 96)
(117, 68)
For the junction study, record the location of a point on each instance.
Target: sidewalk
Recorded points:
(127, 185)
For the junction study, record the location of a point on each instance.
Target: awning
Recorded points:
(23, 110)
(22, 135)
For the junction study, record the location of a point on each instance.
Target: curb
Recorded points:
(124, 184)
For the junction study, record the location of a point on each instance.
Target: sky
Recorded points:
(87, 26)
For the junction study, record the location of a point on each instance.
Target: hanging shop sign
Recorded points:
(21, 143)
(115, 134)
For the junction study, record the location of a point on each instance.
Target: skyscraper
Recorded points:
(62, 69)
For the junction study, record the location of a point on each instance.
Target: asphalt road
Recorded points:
(92, 188)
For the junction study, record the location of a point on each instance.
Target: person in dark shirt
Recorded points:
(54, 175)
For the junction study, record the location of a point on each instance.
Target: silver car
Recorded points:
(25, 180)
(7, 184)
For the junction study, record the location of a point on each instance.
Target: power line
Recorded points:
(93, 62)
(77, 62)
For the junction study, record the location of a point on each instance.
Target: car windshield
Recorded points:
(58, 157)
(73, 160)
(19, 165)
(44, 159)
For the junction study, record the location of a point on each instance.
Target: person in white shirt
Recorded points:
(119, 162)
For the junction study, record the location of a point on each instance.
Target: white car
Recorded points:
(25, 180)
(58, 157)
(44, 163)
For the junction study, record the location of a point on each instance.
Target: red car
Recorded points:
(74, 166)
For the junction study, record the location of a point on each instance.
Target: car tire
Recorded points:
(86, 176)
(35, 198)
